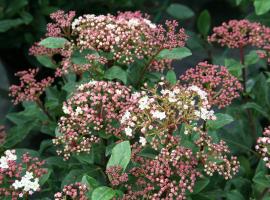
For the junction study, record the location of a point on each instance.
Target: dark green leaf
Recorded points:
(204, 22)
(90, 182)
(7, 24)
(234, 195)
(53, 42)
(222, 120)
(175, 53)
(180, 11)
(200, 185)
(103, 193)
(261, 6)
(116, 72)
(46, 61)
(171, 77)
(120, 155)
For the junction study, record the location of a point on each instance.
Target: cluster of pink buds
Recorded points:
(76, 191)
(214, 157)
(116, 176)
(95, 107)
(220, 85)
(29, 88)
(238, 34)
(126, 37)
(263, 146)
(23, 177)
(161, 109)
(156, 178)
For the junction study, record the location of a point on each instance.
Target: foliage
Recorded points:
(109, 150)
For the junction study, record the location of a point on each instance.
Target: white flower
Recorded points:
(142, 141)
(110, 26)
(149, 23)
(205, 114)
(144, 102)
(133, 22)
(265, 159)
(125, 117)
(78, 111)
(199, 91)
(65, 109)
(9, 156)
(26, 183)
(128, 131)
(159, 115)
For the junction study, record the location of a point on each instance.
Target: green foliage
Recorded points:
(120, 155)
(116, 72)
(53, 42)
(180, 11)
(176, 53)
(204, 22)
(103, 193)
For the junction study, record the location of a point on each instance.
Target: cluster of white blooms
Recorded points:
(28, 183)
(145, 102)
(158, 115)
(9, 156)
(142, 141)
(203, 112)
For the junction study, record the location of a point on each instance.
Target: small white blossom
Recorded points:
(125, 117)
(133, 22)
(65, 109)
(159, 115)
(142, 141)
(26, 183)
(78, 111)
(9, 156)
(128, 131)
(149, 23)
(144, 102)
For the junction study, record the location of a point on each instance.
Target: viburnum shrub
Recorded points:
(116, 123)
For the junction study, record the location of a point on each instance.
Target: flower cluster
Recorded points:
(127, 36)
(109, 39)
(95, 107)
(23, 178)
(29, 88)
(214, 157)
(76, 191)
(116, 176)
(263, 146)
(169, 176)
(238, 34)
(160, 110)
(219, 84)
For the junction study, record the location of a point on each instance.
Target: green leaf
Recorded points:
(46, 61)
(234, 195)
(7, 24)
(222, 120)
(120, 155)
(15, 6)
(53, 42)
(90, 182)
(251, 58)
(238, 2)
(26, 17)
(103, 193)
(171, 77)
(234, 67)
(73, 176)
(45, 177)
(261, 6)
(116, 72)
(180, 11)
(262, 179)
(200, 185)
(175, 53)
(78, 57)
(254, 106)
(204, 22)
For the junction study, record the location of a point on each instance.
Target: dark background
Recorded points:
(27, 21)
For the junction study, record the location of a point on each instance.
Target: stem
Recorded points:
(244, 71)
(264, 192)
(244, 77)
(147, 65)
(41, 106)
